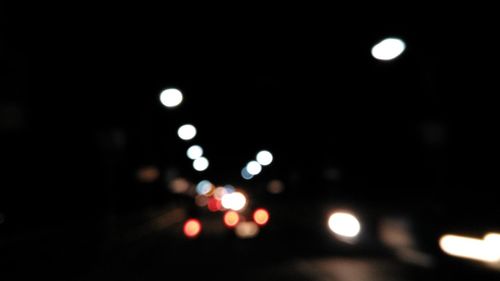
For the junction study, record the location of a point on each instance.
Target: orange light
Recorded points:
(261, 216)
(231, 218)
(192, 228)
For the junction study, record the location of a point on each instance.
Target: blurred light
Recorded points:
(493, 240)
(214, 205)
(275, 187)
(200, 164)
(388, 49)
(235, 201)
(204, 187)
(253, 168)
(229, 188)
(192, 228)
(246, 230)
(231, 218)
(344, 224)
(179, 185)
(148, 174)
(264, 157)
(219, 192)
(201, 200)
(194, 152)
(186, 132)
(261, 216)
(171, 97)
(245, 174)
(469, 248)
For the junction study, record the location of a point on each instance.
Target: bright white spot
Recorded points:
(203, 187)
(264, 157)
(235, 201)
(388, 49)
(171, 97)
(247, 229)
(493, 239)
(186, 132)
(194, 152)
(253, 168)
(245, 174)
(200, 164)
(344, 224)
(469, 248)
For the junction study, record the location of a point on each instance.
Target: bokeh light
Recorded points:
(171, 97)
(261, 216)
(253, 168)
(204, 187)
(344, 224)
(246, 230)
(235, 201)
(275, 187)
(148, 174)
(214, 205)
(194, 152)
(388, 49)
(245, 174)
(200, 164)
(192, 228)
(469, 248)
(179, 185)
(231, 218)
(264, 157)
(186, 132)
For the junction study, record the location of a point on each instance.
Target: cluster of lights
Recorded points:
(254, 167)
(342, 224)
(172, 98)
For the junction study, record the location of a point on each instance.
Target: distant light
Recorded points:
(200, 164)
(388, 49)
(264, 157)
(231, 218)
(201, 200)
(261, 216)
(179, 185)
(219, 192)
(214, 205)
(229, 188)
(245, 174)
(194, 152)
(275, 187)
(246, 230)
(235, 201)
(192, 228)
(469, 248)
(204, 187)
(148, 174)
(344, 224)
(171, 97)
(186, 132)
(254, 168)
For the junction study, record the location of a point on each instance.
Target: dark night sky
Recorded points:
(411, 130)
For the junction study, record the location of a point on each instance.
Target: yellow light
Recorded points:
(231, 218)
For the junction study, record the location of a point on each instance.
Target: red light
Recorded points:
(214, 205)
(261, 216)
(192, 228)
(231, 218)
